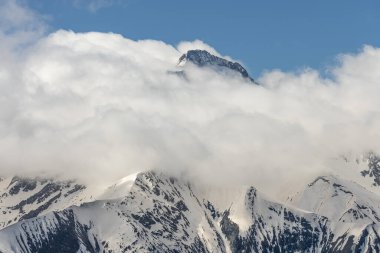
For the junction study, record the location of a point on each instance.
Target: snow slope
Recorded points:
(153, 212)
(24, 198)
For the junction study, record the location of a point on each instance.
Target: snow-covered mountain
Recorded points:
(353, 211)
(158, 213)
(154, 212)
(25, 198)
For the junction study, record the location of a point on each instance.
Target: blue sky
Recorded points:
(264, 35)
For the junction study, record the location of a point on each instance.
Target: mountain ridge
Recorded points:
(153, 211)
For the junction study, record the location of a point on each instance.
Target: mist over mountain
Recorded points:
(109, 144)
(111, 107)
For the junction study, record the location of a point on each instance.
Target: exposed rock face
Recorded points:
(202, 58)
(373, 170)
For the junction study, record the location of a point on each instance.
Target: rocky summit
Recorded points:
(202, 58)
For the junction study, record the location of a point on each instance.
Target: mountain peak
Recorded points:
(203, 58)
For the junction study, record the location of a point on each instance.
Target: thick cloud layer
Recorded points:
(101, 106)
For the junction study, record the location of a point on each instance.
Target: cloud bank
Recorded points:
(101, 106)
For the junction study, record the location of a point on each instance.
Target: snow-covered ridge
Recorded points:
(151, 211)
(120, 188)
(24, 198)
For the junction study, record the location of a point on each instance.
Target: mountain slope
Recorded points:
(354, 212)
(157, 214)
(153, 212)
(24, 198)
(163, 214)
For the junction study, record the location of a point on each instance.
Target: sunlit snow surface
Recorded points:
(151, 211)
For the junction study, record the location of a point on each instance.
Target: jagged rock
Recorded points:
(202, 58)
(373, 170)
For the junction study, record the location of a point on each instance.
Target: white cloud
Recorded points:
(185, 46)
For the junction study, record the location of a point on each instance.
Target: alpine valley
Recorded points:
(153, 211)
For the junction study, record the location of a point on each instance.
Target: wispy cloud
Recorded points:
(19, 24)
(95, 5)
